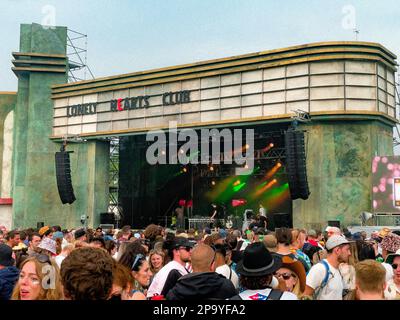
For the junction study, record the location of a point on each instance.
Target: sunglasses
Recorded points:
(395, 266)
(285, 276)
(135, 265)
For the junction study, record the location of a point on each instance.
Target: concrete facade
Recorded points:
(7, 105)
(41, 63)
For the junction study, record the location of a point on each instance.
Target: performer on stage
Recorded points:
(213, 215)
(180, 223)
(263, 217)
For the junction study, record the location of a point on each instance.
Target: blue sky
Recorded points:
(130, 35)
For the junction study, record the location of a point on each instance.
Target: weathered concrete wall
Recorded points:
(7, 105)
(35, 194)
(339, 159)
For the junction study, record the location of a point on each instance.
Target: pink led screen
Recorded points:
(386, 184)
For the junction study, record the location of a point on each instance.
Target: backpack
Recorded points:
(275, 294)
(310, 250)
(324, 281)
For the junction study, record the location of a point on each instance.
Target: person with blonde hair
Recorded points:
(370, 281)
(293, 274)
(39, 279)
(156, 260)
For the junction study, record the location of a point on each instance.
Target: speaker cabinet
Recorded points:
(63, 174)
(107, 218)
(296, 164)
(282, 220)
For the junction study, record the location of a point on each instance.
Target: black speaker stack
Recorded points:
(296, 164)
(282, 220)
(63, 174)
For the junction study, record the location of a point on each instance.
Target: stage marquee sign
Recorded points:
(269, 85)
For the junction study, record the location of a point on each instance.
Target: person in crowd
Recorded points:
(259, 234)
(392, 291)
(87, 274)
(256, 274)
(46, 231)
(389, 244)
(204, 282)
(151, 233)
(131, 250)
(20, 253)
(123, 284)
(58, 237)
(298, 240)
(111, 248)
(99, 233)
(323, 254)
(324, 281)
(13, 238)
(64, 253)
(271, 243)
(47, 246)
(312, 245)
(80, 236)
(126, 234)
(142, 275)
(39, 279)
(293, 274)
(2, 239)
(98, 242)
(221, 265)
(370, 280)
(366, 250)
(347, 270)
(8, 272)
(156, 259)
(284, 240)
(180, 251)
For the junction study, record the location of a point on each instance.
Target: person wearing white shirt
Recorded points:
(169, 274)
(338, 249)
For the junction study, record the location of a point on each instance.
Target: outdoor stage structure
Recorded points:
(347, 89)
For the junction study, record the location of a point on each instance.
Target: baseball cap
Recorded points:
(182, 242)
(335, 241)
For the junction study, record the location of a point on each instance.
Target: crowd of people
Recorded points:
(165, 264)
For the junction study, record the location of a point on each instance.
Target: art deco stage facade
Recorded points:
(347, 88)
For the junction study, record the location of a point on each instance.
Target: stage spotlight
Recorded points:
(246, 146)
(279, 164)
(211, 168)
(184, 169)
(213, 182)
(163, 152)
(180, 151)
(271, 145)
(236, 183)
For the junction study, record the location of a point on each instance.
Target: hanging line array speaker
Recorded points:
(296, 164)
(63, 174)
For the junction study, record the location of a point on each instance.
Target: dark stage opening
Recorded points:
(149, 193)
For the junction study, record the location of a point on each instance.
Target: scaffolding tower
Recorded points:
(77, 57)
(114, 206)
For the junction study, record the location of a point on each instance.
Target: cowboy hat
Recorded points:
(297, 267)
